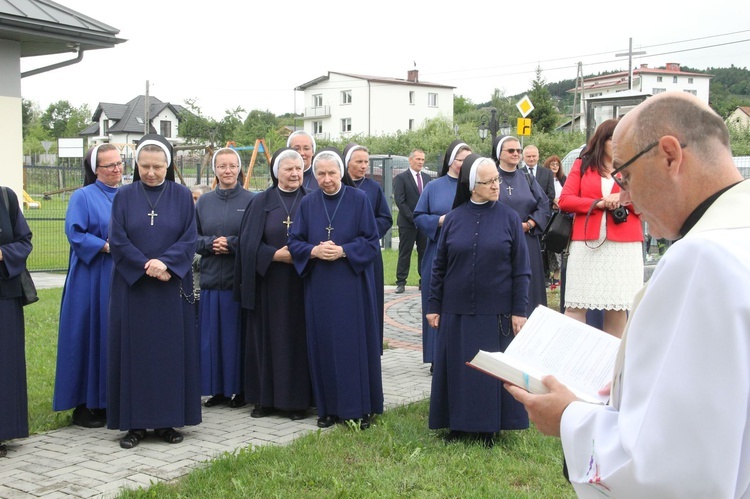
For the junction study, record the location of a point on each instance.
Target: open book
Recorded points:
(580, 356)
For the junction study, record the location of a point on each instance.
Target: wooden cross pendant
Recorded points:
(152, 215)
(287, 222)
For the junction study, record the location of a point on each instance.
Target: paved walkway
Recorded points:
(78, 462)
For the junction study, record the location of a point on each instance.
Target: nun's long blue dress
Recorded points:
(479, 279)
(154, 368)
(340, 305)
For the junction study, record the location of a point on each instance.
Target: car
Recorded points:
(399, 164)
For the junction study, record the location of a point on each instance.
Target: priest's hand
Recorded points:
(221, 246)
(546, 410)
(517, 321)
(282, 255)
(157, 269)
(433, 320)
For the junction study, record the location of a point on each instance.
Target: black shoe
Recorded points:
(89, 418)
(132, 438)
(216, 400)
(238, 401)
(453, 436)
(485, 439)
(297, 415)
(3, 450)
(326, 421)
(261, 411)
(432, 368)
(169, 435)
(365, 422)
(399, 288)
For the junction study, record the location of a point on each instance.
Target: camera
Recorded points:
(620, 214)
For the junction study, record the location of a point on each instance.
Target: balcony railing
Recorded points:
(317, 112)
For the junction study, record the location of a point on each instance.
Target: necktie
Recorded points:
(419, 182)
(531, 169)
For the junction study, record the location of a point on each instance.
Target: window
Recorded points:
(595, 94)
(690, 81)
(166, 128)
(411, 124)
(694, 92)
(411, 98)
(655, 91)
(346, 97)
(432, 100)
(658, 79)
(105, 127)
(317, 100)
(317, 127)
(674, 79)
(346, 125)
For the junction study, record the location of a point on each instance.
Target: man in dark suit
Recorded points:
(407, 187)
(543, 175)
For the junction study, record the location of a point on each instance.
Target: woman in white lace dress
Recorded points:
(605, 266)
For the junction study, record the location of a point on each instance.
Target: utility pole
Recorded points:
(146, 112)
(630, 55)
(579, 88)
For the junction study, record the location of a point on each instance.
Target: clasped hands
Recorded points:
(327, 250)
(157, 269)
(220, 246)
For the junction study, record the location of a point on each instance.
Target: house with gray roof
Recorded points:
(126, 123)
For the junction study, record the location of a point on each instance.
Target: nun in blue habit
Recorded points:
(154, 369)
(478, 299)
(357, 161)
(429, 214)
(334, 242)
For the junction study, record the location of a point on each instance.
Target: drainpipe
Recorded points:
(54, 66)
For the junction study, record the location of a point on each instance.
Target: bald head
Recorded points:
(689, 159)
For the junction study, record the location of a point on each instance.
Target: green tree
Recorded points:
(196, 128)
(61, 119)
(462, 105)
(544, 117)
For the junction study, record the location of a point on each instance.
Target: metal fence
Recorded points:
(47, 190)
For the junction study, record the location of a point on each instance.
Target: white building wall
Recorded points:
(649, 83)
(375, 109)
(11, 128)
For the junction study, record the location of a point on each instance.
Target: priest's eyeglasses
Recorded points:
(111, 166)
(624, 182)
(223, 168)
(496, 180)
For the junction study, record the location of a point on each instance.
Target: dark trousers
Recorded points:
(407, 236)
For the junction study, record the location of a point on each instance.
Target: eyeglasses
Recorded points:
(511, 151)
(111, 166)
(496, 180)
(223, 168)
(623, 181)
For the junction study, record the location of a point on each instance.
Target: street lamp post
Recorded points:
(490, 124)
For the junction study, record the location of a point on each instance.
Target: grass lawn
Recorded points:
(397, 457)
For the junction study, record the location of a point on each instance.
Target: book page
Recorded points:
(580, 356)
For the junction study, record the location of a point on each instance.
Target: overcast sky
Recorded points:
(253, 54)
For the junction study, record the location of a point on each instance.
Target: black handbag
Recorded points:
(556, 236)
(27, 283)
